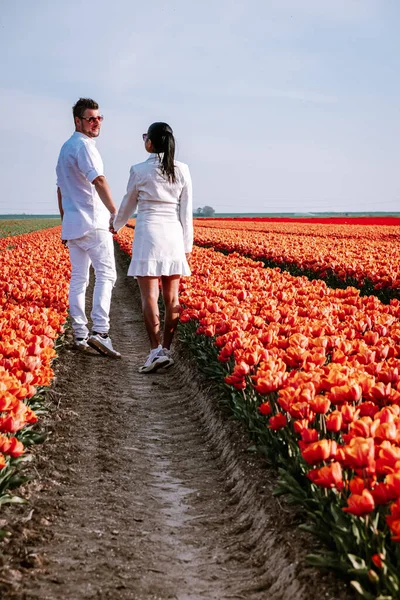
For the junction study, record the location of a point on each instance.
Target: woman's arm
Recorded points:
(186, 210)
(129, 202)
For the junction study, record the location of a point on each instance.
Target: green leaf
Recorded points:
(17, 480)
(310, 528)
(363, 593)
(12, 500)
(357, 562)
(326, 561)
(359, 572)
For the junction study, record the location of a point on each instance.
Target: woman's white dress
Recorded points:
(164, 222)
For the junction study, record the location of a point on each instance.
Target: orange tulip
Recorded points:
(330, 476)
(384, 431)
(320, 404)
(299, 410)
(356, 485)
(394, 525)
(360, 504)
(360, 428)
(319, 451)
(309, 435)
(345, 393)
(393, 480)
(359, 453)
(334, 421)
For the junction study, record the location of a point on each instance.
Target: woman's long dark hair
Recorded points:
(162, 138)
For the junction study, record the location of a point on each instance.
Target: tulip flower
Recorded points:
(265, 408)
(319, 451)
(394, 525)
(359, 453)
(356, 485)
(277, 422)
(360, 504)
(378, 560)
(320, 404)
(329, 476)
(334, 421)
(383, 493)
(309, 435)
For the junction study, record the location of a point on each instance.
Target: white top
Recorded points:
(78, 165)
(148, 189)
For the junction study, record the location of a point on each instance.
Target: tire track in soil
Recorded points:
(154, 494)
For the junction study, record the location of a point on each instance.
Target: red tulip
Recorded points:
(360, 504)
(359, 453)
(378, 560)
(334, 421)
(320, 404)
(329, 476)
(265, 408)
(319, 451)
(277, 422)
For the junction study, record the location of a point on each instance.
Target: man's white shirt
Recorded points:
(79, 163)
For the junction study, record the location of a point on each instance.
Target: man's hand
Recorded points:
(111, 223)
(188, 257)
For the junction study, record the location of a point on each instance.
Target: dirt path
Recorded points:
(146, 491)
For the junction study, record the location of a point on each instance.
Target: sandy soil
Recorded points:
(145, 489)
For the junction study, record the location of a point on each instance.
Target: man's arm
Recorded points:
(60, 206)
(104, 191)
(129, 202)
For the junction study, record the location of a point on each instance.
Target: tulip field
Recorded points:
(360, 255)
(313, 370)
(34, 300)
(298, 325)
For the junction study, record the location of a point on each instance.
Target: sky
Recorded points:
(276, 105)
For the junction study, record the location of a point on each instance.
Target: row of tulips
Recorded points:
(33, 308)
(316, 228)
(315, 372)
(347, 254)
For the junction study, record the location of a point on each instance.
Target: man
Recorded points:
(87, 210)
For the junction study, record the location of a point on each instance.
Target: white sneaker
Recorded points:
(81, 344)
(102, 343)
(155, 360)
(171, 361)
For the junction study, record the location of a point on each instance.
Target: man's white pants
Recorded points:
(95, 248)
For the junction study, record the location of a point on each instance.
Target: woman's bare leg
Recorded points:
(170, 289)
(149, 291)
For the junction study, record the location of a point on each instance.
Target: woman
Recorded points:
(161, 190)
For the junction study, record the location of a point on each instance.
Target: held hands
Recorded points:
(111, 223)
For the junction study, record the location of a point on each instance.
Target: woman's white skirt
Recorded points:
(158, 247)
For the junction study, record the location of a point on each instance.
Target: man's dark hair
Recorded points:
(83, 103)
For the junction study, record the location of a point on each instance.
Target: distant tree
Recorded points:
(205, 211)
(208, 211)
